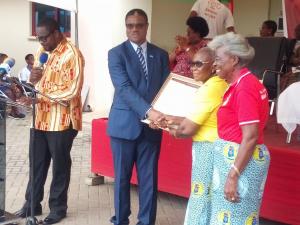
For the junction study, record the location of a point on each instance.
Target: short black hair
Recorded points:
(2, 54)
(139, 12)
(28, 55)
(2, 57)
(199, 25)
(272, 25)
(50, 24)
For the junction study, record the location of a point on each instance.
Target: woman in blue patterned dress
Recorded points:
(241, 160)
(201, 123)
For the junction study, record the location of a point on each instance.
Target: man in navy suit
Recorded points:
(137, 69)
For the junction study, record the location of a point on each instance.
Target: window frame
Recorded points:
(56, 15)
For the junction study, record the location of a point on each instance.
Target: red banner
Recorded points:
(291, 12)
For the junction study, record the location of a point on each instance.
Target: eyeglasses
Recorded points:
(130, 26)
(43, 38)
(197, 64)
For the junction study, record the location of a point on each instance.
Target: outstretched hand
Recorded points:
(157, 119)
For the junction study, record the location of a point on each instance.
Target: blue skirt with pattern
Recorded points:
(250, 185)
(198, 209)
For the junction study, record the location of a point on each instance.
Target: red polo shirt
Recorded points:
(245, 102)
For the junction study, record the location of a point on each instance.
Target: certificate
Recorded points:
(176, 96)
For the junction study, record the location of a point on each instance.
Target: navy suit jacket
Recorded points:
(133, 97)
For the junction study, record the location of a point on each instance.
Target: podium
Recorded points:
(5, 217)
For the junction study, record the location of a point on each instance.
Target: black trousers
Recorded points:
(55, 145)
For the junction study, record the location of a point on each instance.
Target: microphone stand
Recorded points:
(35, 91)
(31, 220)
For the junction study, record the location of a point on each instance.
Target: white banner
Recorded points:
(69, 5)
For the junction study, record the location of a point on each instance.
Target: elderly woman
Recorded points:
(201, 124)
(241, 160)
(182, 55)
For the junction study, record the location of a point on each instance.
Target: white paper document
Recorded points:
(176, 96)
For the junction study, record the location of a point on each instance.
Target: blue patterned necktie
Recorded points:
(139, 52)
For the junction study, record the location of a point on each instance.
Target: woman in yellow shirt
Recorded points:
(201, 124)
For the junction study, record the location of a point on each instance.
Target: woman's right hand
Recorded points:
(231, 187)
(181, 42)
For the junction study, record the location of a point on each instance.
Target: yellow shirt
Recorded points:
(62, 80)
(206, 104)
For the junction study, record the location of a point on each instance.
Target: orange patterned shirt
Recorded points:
(62, 80)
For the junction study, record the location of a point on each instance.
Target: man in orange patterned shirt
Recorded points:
(56, 125)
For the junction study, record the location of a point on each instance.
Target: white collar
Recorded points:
(240, 78)
(243, 75)
(135, 46)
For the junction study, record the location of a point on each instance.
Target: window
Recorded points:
(39, 11)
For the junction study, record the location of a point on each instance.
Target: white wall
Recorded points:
(101, 27)
(249, 15)
(275, 9)
(168, 20)
(16, 40)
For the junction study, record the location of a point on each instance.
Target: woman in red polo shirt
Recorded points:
(241, 160)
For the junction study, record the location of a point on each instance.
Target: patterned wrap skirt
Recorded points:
(198, 209)
(251, 185)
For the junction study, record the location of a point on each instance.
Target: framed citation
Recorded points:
(176, 96)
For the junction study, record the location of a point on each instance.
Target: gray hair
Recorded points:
(235, 45)
(210, 53)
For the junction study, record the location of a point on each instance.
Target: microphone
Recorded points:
(6, 66)
(42, 60)
(3, 71)
(10, 61)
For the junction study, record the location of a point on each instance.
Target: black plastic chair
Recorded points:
(269, 63)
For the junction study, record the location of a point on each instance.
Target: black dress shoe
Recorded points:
(113, 220)
(25, 212)
(51, 219)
